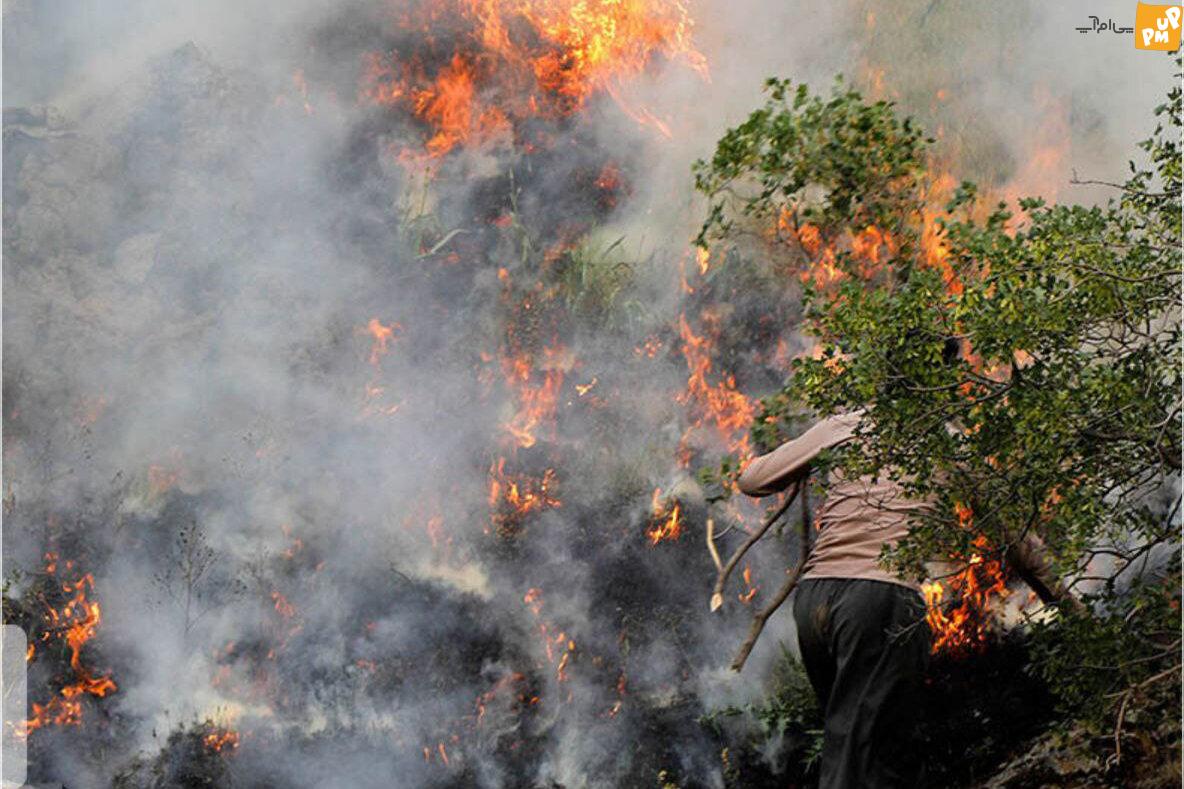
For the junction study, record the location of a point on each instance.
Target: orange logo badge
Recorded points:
(1157, 27)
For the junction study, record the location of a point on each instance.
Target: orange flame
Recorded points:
(220, 739)
(520, 59)
(968, 626)
(537, 400)
(559, 648)
(666, 523)
(721, 403)
(514, 496)
(383, 335)
(746, 597)
(75, 623)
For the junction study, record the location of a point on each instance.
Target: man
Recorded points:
(861, 629)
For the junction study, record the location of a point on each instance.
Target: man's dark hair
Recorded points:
(951, 352)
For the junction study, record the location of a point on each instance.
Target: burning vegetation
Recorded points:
(502, 67)
(67, 622)
(396, 463)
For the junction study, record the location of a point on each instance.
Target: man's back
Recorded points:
(857, 518)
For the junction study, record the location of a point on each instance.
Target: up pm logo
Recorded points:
(1157, 27)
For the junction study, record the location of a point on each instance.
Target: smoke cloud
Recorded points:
(351, 481)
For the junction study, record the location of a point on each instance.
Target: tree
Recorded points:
(1021, 370)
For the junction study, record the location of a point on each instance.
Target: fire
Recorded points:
(703, 259)
(666, 523)
(649, 348)
(382, 335)
(968, 626)
(301, 85)
(721, 404)
(535, 380)
(75, 623)
(537, 395)
(870, 249)
(514, 496)
(559, 647)
(282, 606)
(515, 60)
(610, 184)
(374, 399)
(219, 740)
(822, 271)
(514, 683)
(746, 597)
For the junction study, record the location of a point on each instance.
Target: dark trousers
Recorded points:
(865, 646)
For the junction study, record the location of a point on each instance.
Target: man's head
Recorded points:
(917, 343)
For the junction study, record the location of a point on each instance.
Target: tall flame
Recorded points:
(721, 404)
(967, 626)
(522, 59)
(75, 623)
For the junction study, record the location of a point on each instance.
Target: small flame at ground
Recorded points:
(666, 523)
(967, 627)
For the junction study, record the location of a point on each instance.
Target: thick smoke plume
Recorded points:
(371, 439)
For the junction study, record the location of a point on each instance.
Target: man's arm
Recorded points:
(777, 470)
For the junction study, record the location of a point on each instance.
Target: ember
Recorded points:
(219, 740)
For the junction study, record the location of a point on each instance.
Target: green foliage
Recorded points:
(1061, 416)
(595, 282)
(1118, 650)
(791, 706)
(800, 158)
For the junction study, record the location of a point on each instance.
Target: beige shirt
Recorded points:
(857, 518)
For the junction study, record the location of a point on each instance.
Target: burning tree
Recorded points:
(1050, 443)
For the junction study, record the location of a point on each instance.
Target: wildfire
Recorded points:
(610, 184)
(968, 626)
(514, 496)
(649, 348)
(721, 404)
(382, 336)
(558, 646)
(515, 60)
(374, 394)
(219, 740)
(74, 624)
(537, 395)
(746, 597)
(666, 523)
(823, 270)
(282, 606)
